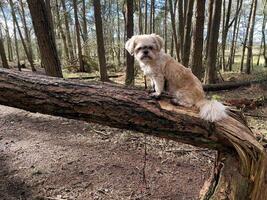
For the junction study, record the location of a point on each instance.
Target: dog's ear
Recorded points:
(130, 45)
(159, 40)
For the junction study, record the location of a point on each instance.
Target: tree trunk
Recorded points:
(74, 41)
(50, 19)
(16, 45)
(140, 17)
(152, 16)
(211, 73)
(240, 169)
(46, 41)
(145, 16)
(66, 19)
(187, 36)
(236, 38)
(100, 41)
(29, 57)
(235, 33)
(259, 55)
(119, 34)
(181, 22)
(231, 85)
(246, 38)
(62, 33)
(9, 44)
(166, 26)
(3, 53)
(85, 31)
(250, 39)
(129, 28)
(172, 12)
(172, 44)
(77, 27)
(225, 33)
(264, 38)
(26, 29)
(210, 10)
(197, 40)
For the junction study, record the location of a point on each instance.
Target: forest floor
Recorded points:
(47, 157)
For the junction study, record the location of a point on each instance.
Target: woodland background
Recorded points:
(89, 36)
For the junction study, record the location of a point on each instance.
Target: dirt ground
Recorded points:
(47, 157)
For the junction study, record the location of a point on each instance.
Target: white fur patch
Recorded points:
(212, 111)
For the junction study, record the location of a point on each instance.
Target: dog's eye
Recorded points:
(138, 49)
(150, 47)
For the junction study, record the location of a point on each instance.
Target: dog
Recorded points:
(185, 88)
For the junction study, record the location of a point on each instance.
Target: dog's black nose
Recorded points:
(145, 52)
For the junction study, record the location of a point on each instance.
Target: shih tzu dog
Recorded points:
(185, 88)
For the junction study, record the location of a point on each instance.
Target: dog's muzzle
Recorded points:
(145, 56)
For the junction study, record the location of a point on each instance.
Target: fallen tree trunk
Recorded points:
(245, 103)
(231, 85)
(240, 168)
(94, 77)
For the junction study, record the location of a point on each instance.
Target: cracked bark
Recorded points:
(240, 168)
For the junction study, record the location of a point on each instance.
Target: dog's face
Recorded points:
(145, 48)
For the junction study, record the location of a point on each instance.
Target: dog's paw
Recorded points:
(150, 91)
(155, 95)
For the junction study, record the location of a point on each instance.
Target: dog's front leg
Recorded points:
(152, 86)
(158, 82)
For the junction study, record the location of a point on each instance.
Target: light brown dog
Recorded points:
(182, 84)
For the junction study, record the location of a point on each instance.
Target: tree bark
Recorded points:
(211, 73)
(100, 41)
(9, 44)
(145, 16)
(187, 36)
(85, 30)
(152, 17)
(225, 33)
(250, 39)
(241, 165)
(181, 22)
(246, 38)
(166, 26)
(172, 44)
(50, 19)
(259, 55)
(29, 57)
(231, 85)
(46, 41)
(16, 45)
(236, 39)
(197, 40)
(172, 12)
(263, 33)
(264, 37)
(65, 46)
(210, 10)
(26, 29)
(140, 17)
(235, 33)
(77, 27)
(129, 80)
(66, 19)
(119, 34)
(3, 53)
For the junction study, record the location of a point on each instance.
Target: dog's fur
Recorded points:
(182, 84)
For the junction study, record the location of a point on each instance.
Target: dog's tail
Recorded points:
(211, 110)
